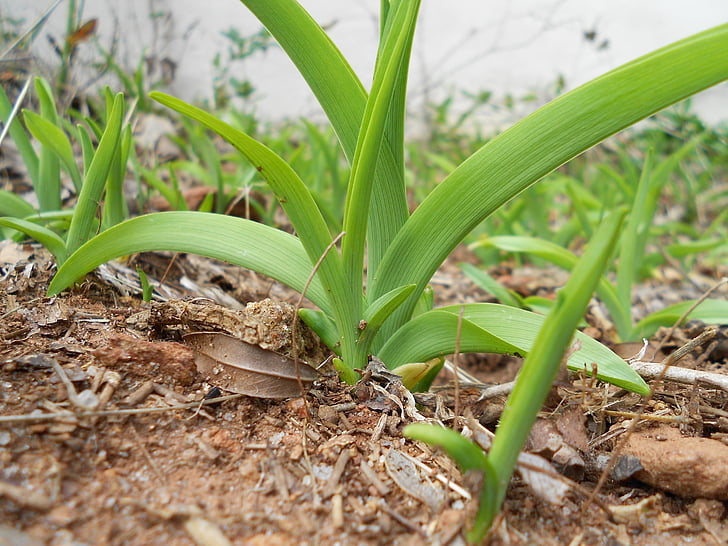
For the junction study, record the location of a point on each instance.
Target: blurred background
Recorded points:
(516, 54)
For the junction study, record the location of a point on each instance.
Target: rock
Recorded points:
(686, 467)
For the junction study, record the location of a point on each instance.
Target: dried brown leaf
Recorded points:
(242, 368)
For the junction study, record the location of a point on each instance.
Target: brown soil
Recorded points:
(330, 468)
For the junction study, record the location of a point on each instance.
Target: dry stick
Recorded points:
(455, 359)
(296, 309)
(636, 420)
(700, 300)
(16, 107)
(169, 267)
(105, 413)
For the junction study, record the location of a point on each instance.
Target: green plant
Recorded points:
(403, 251)
(642, 194)
(392, 319)
(532, 384)
(225, 86)
(61, 231)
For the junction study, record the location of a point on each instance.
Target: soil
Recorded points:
(331, 467)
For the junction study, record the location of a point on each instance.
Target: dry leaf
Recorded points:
(240, 367)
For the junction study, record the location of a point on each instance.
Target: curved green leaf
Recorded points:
(381, 309)
(49, 239)
(84, 217)
(13, 205)
(324, 327)
(235, 240)
(55, 139)
(466, 453)
(537, 145)
(490, 327)
(710, 311)
(492, 286)
(371, 136)
(48, 184)
(292, 193)
(541, 366)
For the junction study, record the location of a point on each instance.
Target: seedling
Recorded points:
(61, 231)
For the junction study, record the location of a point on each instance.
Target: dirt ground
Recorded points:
(97, 445)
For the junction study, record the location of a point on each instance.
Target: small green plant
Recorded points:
(63, 231)
(532, 385)
(642, 195)
(225, 86)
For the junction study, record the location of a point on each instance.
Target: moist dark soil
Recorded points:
(109, 435)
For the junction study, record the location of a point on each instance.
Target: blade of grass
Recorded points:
(53, 138)
(44, 236)
(542, 364)
(12, 125)
(82, 223)
(241, 242)
(48, 189)
(371, 136)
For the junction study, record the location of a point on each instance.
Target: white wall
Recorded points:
(500, 45)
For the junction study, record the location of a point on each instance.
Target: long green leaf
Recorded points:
(48, 187)
(84, 217)
(235, 240)
(380, 310)
(299, 205)
(371, 136)
(490, 327)
(537, 145)
(467, 454)
(343, 98)
(12, 204)
(44, 236)
(18, 134)
(292, 193)
(55, 139)
(542, 364)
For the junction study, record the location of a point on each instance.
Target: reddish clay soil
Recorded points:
(332, 467)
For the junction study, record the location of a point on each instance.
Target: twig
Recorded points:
(297, 308)
(37, 23)
(679, 321)
(136, 411)
(16, 107)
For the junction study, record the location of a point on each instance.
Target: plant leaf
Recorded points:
(356, 211)
(55, 139)
(89, 198)
(542, 364)
(466, 453)
(292, 193)
(43, 235)
(710, 311)
(490, 327)
(538, 144)
(264, 249)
